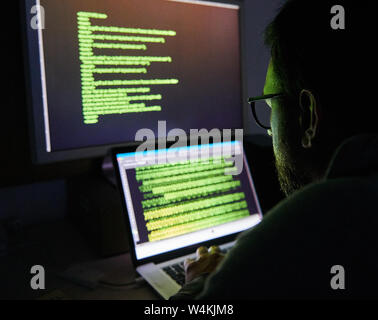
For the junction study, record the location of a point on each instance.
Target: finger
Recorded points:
(214, 249)
(201, 251)
(188, 261)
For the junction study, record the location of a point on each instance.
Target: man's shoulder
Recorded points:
(341, 202)
(290, 253)
(327, 195)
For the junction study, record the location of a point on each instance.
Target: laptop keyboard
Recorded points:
(177, 271)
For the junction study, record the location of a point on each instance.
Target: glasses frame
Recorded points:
(252, 101)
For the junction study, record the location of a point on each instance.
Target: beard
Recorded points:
(292, 175)
(288, 177)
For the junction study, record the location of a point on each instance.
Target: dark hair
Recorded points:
(307, 53)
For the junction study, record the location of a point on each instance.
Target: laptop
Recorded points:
(176, 199)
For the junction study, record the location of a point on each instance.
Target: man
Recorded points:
(322, 241)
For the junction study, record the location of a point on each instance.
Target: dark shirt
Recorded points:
(290, 254)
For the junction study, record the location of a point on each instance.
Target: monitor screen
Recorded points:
(101, 70)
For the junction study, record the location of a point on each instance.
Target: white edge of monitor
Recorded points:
(43, 80)
(209, 3)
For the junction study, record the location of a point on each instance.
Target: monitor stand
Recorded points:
(108, 170)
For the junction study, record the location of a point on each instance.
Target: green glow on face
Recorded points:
(105, 101)
(272, 85)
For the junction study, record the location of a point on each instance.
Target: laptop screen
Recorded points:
(178, 197)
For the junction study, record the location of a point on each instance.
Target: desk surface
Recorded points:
(58, 247)
(112, 274)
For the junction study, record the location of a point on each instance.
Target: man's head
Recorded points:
(322, 74)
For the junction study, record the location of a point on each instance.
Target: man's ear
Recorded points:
(309, 117)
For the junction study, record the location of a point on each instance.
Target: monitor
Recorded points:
(99, 71)
(183, 196)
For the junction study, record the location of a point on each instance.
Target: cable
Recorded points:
(136, 281)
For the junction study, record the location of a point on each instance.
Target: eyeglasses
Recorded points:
(257, 114)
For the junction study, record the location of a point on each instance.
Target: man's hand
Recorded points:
(206, 262)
